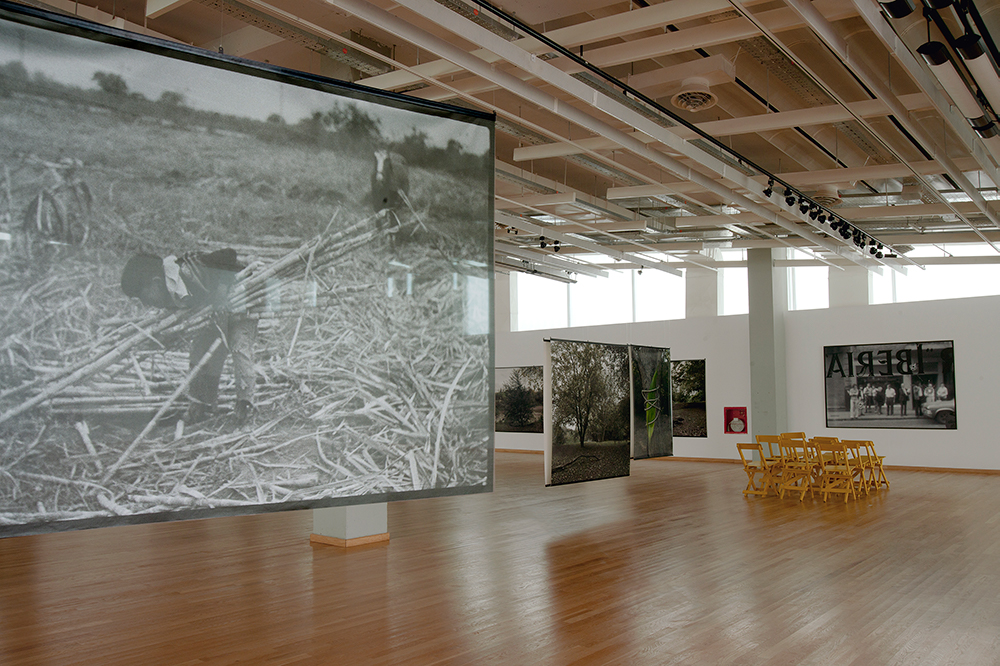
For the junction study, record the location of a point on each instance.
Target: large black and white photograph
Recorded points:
(232, 288)
(652, 421)
(519, 403)
(894, 385)
(590, 434)
(687, 386)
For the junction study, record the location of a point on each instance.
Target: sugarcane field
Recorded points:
(351, 341)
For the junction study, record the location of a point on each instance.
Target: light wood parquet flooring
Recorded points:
(669, 566)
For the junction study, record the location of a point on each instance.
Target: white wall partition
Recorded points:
(971, 322)
(722, 341)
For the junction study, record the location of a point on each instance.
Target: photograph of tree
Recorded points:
(519, 399)
(892, 385)
(688, 387)
(229, 288)
(591, 412)
(652, 423)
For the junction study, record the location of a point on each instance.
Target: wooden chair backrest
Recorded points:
(773, 442)
(746, 451)
(793, 450)
(831, 445)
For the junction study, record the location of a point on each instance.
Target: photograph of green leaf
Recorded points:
(652, 422)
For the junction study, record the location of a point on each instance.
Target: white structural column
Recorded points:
(701, 297)
(347, 526)
(768, 304)
(849, 287)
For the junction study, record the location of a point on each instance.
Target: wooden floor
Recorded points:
(671, 565)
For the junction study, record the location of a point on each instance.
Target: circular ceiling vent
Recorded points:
(827, 195)
(694, 95)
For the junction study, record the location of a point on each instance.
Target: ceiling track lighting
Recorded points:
(970, 47)
(541, 242)
(804, 206)
(936, 56)
(789, 197)
(898, 9)
(770, 188)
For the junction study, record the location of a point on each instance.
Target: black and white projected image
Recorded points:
(230, 289)
(591, 411)
(652, 422)
(893, 385)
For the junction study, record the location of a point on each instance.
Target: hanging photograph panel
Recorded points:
(232, 288)
(591, 412)
(895, 385)
(518, 399)
(652, 421)
(687, 386)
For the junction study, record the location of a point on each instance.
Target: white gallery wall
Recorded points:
(722, 341)
(973, 324)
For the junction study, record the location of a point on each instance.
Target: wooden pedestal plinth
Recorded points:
(348, 543)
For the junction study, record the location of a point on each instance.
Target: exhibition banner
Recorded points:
(652, 423)
(589, 388)
(232, 288)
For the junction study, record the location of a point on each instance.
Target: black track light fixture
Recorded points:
(821, 218)
(769, 190)
(789, 197)
(555, 246)
(803, 206)
(541, 242)
(898, 9)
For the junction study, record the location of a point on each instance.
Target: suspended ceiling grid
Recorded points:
(828, 98)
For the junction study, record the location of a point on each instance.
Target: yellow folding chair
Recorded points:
(862, 462)
(796, 467)
(837, 471)
(756, 467)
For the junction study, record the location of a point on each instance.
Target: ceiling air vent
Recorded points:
(828, 195)
(694, 95)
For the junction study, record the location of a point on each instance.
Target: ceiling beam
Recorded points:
(763, 122)
(599, 102)
(524, 225)
(825, 31)
(588, 32)
(157, 8)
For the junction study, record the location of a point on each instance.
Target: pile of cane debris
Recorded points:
(357, 393)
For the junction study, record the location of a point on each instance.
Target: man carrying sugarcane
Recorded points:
(192, 281)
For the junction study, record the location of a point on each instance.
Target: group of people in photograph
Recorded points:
(894, 398)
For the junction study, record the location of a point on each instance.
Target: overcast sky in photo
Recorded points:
(74, 61)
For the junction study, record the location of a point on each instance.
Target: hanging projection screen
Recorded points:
(652, 419)
(588, 416)
(231, 288)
